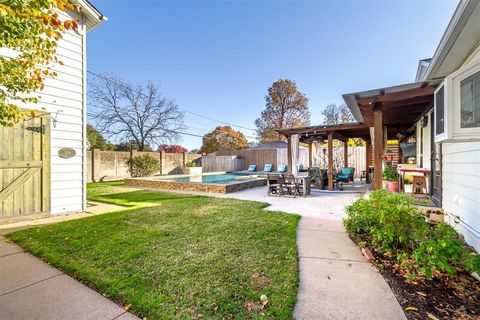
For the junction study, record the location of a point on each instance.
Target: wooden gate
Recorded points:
(25, 169)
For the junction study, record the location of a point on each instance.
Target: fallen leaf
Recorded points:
(127, 306)
(431, 316)
(411, 309)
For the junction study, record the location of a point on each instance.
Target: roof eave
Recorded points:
(94, 16)
(457, 22)
(351, 102)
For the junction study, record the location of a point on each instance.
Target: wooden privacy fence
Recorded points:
(114, 163)
(221, 163)
(260, 157)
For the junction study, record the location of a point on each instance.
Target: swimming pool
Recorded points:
(217, 182)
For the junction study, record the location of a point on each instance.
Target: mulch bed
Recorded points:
(439, 298)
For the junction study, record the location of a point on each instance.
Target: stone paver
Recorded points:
(31, 289)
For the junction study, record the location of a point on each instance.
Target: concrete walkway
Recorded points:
(93, 208)
(31, 289)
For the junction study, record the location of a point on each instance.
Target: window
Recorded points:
(439, 111)
(470, 102)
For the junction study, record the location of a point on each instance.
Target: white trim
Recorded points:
(84, 122)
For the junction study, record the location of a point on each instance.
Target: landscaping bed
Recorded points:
(178, 256)
(428, 266)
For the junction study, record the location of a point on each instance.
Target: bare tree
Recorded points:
(337, 113)
(135, 112)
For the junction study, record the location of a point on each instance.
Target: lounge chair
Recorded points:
(267, 167)
(252, 168)
(281, 168)
(346, 174)
(273, 185)
(289, 185)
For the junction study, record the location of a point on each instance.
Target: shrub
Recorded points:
(390, 174)
(390, 223)
(191, 164)
(142, 166)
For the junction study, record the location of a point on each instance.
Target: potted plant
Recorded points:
(390, 175)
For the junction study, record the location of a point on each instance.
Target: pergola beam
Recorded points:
(398, 96)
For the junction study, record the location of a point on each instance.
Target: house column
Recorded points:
(289, 154)
(378, 144)
(368, 159)
(345, 153)
(330, 160)
(310, 155)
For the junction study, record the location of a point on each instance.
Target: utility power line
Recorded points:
(187, 111)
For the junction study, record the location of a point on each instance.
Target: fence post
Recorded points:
(96, 160)
(162, 162)
(184, 159)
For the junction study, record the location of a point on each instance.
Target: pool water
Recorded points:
(214, 178)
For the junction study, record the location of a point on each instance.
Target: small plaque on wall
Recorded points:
(66, 153)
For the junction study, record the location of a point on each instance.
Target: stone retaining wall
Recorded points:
(192, 186)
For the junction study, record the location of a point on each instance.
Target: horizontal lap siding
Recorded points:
(63, 98)
(461, 187)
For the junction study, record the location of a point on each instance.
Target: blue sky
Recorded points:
(218, 58)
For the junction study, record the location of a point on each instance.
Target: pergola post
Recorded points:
(330, 160)
(400, 154)
(310, 155)
(345, 153)
(378, 144)
(289, 154)
(368, 159)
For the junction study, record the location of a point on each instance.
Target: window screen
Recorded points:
(439, 112)
(470, 101)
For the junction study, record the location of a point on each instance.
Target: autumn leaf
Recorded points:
(411, 309)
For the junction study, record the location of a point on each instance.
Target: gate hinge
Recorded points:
(41, 129)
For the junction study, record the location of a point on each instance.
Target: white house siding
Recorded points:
(65, 95)
(461, 187)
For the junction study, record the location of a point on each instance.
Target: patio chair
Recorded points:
(289, 185)
(252, 168)
(267, 167)
(281, 168)
(273, 185)
(346, 174)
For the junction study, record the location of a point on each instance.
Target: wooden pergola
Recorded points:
(394, 109)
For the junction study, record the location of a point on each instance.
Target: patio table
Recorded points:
(401, 175)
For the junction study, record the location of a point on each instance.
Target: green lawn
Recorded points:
(178, 256)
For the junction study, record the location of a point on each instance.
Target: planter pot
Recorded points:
(392, 186)
(385, 184)
(194, 170)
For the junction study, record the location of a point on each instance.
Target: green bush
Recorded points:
(390, 174)
(191, 164)
(390, 223)
(142, 166)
